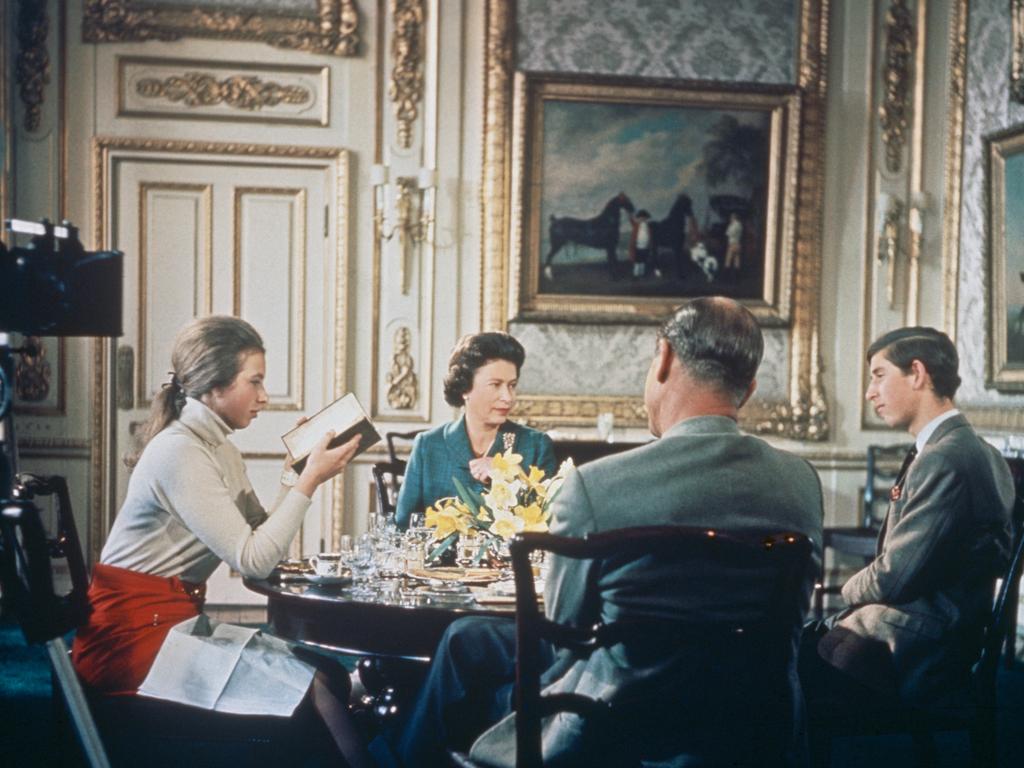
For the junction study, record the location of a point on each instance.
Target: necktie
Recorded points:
(897, 488)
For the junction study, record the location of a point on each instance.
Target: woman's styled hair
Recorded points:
(208, 354)
(473, 352)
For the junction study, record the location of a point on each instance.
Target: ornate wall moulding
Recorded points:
(211, 90)
(1017, 54)
(406, 88)
(32, 67)
(401, 379)
(803, 411)
(40, 376)
(899, 52)
(332, 28)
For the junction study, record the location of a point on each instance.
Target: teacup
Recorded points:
(326, 563)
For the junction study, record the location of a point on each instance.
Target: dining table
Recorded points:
(397, 620)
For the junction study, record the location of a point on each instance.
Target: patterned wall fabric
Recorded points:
(305, 7)
(988, 108)
(742, 40)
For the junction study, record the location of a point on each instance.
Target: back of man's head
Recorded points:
(933, 348)
(718, 342)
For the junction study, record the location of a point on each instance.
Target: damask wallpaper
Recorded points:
(743, 40)
(748, 40)
(987, 108)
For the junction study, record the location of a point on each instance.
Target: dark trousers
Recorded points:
(468, 689)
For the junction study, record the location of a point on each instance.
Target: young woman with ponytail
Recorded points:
(189, 507)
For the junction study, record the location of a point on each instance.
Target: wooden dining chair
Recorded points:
(761, 640)
(391, 437)
(978, 717)
(387, 480)
(859, 541)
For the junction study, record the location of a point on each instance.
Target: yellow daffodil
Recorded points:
(534, 478)
(503, 495)
(506, 525)
(506, 467)
(534, 517)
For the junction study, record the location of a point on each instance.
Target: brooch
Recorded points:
(895, 493)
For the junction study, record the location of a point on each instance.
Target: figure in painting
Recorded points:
(733, 236)
(641, 244)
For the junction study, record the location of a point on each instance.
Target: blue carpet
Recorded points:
(28, 737)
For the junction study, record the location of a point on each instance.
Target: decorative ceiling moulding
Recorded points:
(803, 414)
(899, 52)
(1017, 55)
(228, 91)
(332, 28)
(32, 67)
(406, 88)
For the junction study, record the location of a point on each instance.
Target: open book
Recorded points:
(345, 416)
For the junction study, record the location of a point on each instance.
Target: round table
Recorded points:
(389, 624)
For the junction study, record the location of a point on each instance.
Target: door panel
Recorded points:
(236, 236)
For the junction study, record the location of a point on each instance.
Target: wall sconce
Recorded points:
(888, 212)
(413, 220)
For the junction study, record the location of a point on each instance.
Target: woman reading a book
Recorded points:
(483, 371)
(189, 507)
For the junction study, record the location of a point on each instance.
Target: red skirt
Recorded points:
(131, 615)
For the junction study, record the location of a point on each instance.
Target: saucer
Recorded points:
(315, 578)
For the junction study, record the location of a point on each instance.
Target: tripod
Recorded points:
(25, 568)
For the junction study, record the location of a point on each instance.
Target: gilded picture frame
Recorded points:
(328, 27)
(801, 411)
(1004, 154)
(635, 194)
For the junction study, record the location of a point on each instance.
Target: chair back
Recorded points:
(390, 437)
(883, 464)
(26, 568)
(387, 480)
(1003, 620)
(785, 556)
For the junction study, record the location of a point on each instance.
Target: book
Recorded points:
(345, 416)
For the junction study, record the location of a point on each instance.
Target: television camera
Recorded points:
(50, 287)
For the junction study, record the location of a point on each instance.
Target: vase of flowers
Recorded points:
(480, 525)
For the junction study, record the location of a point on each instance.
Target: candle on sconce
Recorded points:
(427, 178)
(378, 175)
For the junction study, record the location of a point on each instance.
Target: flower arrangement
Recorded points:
(516, 501)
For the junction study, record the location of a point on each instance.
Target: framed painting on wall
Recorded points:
(1004, 152)
(631, 196)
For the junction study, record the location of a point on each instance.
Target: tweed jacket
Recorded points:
(444, 452)
(928, 593)
(701, 472)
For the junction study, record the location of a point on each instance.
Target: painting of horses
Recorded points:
(637, 196)
(1005, 153)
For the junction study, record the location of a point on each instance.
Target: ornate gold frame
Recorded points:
(333, 30)
(804, 412)
(780, 105)
(1000, 372)
(1017, 52)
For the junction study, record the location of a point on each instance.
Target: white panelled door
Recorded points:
(228, 233)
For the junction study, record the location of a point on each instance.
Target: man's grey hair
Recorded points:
(718, 341)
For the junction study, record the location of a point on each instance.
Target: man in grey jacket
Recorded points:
(702, 471)
(915, 614)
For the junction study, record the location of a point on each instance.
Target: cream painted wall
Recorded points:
(448, 135)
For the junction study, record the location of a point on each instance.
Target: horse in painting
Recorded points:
(600, 232)
(676, 233)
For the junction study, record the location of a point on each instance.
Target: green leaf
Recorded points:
(480, 552)
(443, 547)
(470, 498)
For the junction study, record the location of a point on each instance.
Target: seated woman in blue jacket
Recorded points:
(483, 372)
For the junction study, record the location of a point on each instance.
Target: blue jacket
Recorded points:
(444, 452)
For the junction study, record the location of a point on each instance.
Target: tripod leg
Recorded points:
(77, 705)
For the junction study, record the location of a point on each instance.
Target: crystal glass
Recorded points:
(362, 564)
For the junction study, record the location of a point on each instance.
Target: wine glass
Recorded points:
(362, 565)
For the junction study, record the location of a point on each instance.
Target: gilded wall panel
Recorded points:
(175, 89)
